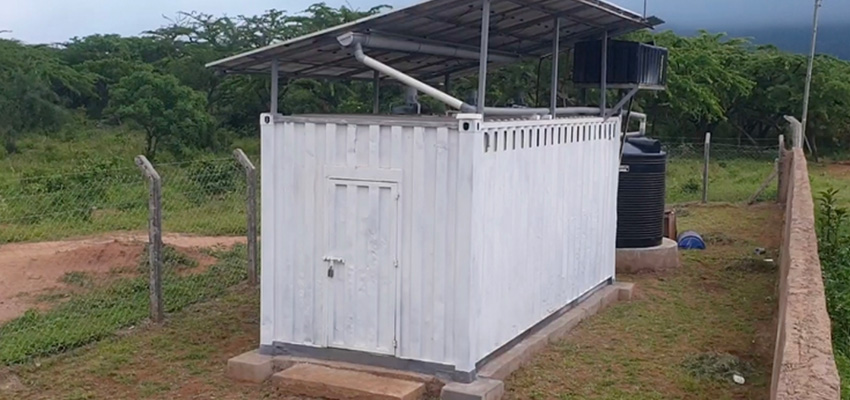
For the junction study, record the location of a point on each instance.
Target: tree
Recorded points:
(171, 114)
(35, 85)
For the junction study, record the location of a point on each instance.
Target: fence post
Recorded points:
(251, 208)
(705, 168)
(780, 167)
(157, 313)
(797, 132)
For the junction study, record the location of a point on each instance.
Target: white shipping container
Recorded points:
(430, 241)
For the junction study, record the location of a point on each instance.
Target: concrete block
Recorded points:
(592, 305)
(610, 295)
(481, 389)
(505, 364)
(432, 384)
(329, 383)
(250, 367)
(653, 259)
(559, 328)
(625, 290)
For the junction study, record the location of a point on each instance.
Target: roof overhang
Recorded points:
(518, 29)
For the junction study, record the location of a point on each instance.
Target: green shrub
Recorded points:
(834, 248)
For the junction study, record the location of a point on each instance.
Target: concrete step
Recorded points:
(318, 381)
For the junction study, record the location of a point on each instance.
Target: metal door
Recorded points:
(362, 265)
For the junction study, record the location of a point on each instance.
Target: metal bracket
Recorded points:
(622, 103)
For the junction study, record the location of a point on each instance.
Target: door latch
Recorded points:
(332, 261)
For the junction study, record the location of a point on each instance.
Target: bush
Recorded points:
(834, 247)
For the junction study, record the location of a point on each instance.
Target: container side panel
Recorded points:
(544, 221)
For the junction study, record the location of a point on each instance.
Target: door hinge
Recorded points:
(395, 344)
(395, 263)
(397, 196)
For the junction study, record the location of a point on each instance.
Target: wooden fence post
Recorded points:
(705, 168)
(157, 312)
(251, 209)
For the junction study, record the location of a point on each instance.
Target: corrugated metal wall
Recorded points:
(495, 230)
(544, 221)
(299, 156)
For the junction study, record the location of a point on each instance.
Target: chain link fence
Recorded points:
(736, 173)
(75, 253)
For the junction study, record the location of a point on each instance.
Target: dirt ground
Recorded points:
(28, 270)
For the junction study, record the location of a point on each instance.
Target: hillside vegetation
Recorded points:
(171, 107)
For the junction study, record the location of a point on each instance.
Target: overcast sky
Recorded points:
(47, 21)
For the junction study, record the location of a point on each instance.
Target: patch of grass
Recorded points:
(101, 312)
(77, 278)
(172, 259)
(731, 180)
(90, 185)
(183, 358)
(637, 350)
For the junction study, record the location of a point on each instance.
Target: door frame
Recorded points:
(391, 178)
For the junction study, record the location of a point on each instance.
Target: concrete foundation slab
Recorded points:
(653, 259)
(481, 389)
(250, 367)
(432, 384)
(330, 383)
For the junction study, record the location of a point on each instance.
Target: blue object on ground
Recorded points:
(691, 240)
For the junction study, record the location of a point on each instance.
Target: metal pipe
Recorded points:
(603, 97)
(376, 41)
(273, 108)
(809, 71)
(376, 106)
(556, 50)
(410, 81)
(483, 50)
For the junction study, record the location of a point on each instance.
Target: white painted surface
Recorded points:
(300, 157)
(544, 221)
(361, 262)
(488, 243)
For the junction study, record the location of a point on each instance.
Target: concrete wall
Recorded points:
(803, 365)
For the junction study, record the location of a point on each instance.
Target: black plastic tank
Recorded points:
(641, 195)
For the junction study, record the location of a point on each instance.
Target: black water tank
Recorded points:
(641, 196)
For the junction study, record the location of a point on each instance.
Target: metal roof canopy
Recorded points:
(518, 29)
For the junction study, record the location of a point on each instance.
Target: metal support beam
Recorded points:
(275, 86)
(603, 87)
(447, 81)
(376, 86)
(483, 52)
(810, 67)
(556, 51)
(622, 103)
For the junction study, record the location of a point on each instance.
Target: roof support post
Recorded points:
(274, 86)
(376, 105)
(603, 87)
(484, 49)
(556, 51)
(447, 80)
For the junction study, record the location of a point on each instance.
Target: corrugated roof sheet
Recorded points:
(521, 27)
